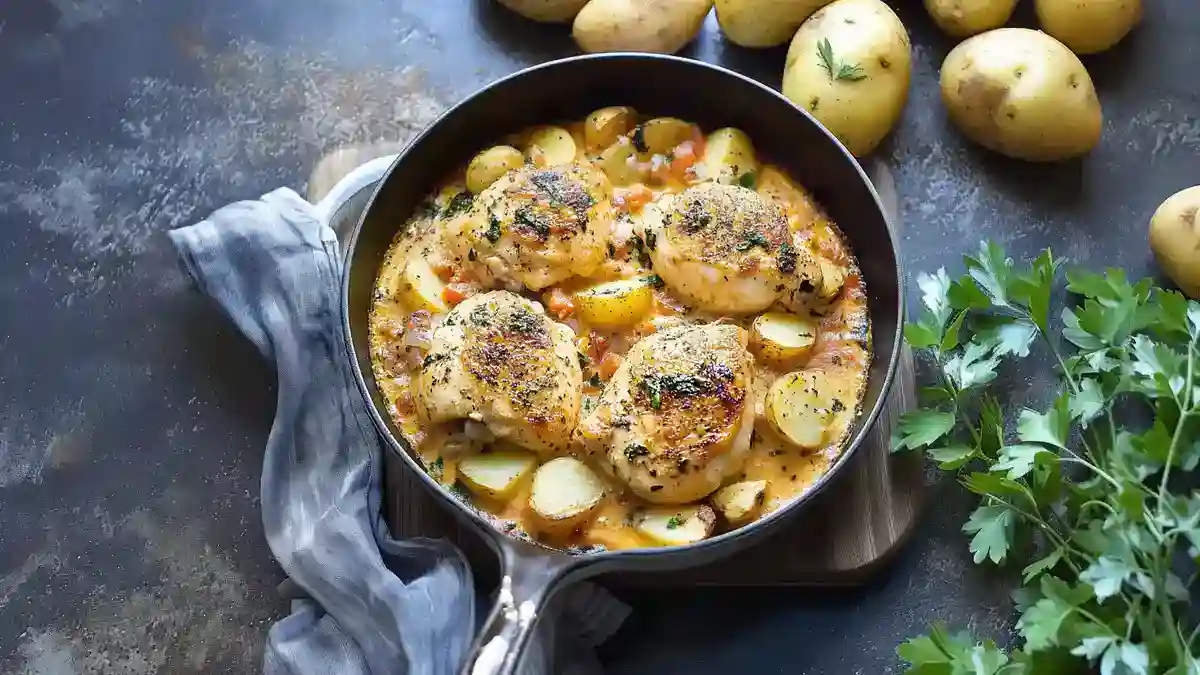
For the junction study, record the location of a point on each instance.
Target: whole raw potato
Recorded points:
(1022, 93)
(1088, 26)
(764, 23)
(549, 11)
(849, 65)
(963, 18)
(662, 26)
(1175, 239)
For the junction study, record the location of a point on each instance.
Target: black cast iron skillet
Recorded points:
(568, 90)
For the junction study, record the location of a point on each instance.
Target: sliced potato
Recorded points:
(565, 494)
(621, 163)
(729, 157)
(495, 474)
(615, 303)
(421, 288)
(550, 146)
(799, 407)
(740, 501)
(606, 125)
(784, 337)
(490, 164)
(661, 134)
(833, 277)
(676, 526)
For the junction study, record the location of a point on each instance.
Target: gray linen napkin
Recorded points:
(375, 605)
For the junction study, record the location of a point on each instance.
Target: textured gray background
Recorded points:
(132, 417)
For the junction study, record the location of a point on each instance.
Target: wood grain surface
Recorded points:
(847, 533)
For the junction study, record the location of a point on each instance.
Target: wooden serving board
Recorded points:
(847, 534)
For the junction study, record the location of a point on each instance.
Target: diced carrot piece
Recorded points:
(637, 197)
(455, 293)
(609, 365)
(559, 303)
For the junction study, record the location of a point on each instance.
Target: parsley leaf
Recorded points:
(952, 456)
(1050, 427)
(993, 527)
(843, 71)
(1106, 576)
(991, 269)
(1019, 460)
(922, 427)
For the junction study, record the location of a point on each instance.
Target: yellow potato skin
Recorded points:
(1175, 239)
(763, 23)
(865, 33)
(1088, 26)
(662, 26)
(546, 11)
(1021, 93)
(964, 18)
(486, 167)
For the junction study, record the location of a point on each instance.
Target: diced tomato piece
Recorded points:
(609, 365)
(637, 197)
(455, 293)
(559, 303)
(683, 159)
(597, 346)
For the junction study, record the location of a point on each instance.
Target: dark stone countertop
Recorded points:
(132, 416)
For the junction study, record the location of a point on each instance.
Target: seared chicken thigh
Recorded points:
(676, 419)
(499, 361)
(535, 227)
(726, 249)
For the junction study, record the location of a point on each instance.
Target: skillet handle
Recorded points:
(530, 578)
(349, 185)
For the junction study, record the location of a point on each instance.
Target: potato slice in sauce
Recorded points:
(676, 526)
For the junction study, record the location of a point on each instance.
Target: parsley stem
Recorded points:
(1185, 409)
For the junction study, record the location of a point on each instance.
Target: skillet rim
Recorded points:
(713, 545)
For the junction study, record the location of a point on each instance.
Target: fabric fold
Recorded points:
(376, 605)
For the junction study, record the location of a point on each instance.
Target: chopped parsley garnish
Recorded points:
(748, 180)
(655, 281)
(651, 241)
(432, 359)
(493, 231)
(459, 203)
(526, 218)
(652, 386)
(676, 521)
(639, 249)
(595, 380)
(524, 322)
(635, 450)
(584, 359)
(787, 258)
(639, 139)
(479, 315)
(685, 385)
(435, 469)
(612, 250)
(752, 239)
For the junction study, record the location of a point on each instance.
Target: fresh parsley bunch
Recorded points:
(1090, 497)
